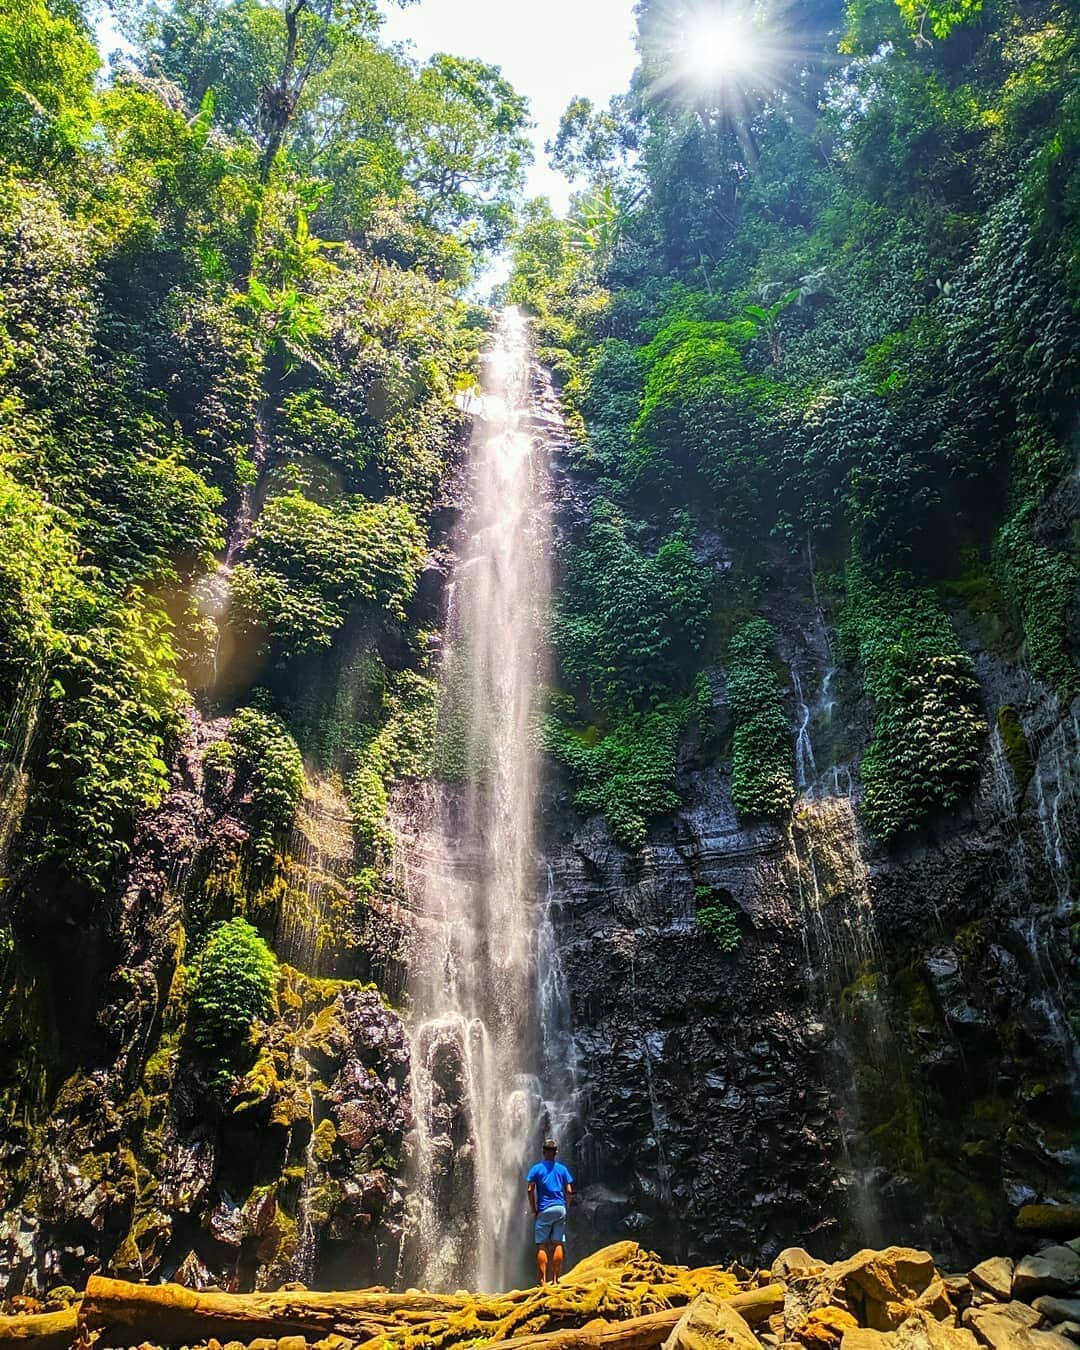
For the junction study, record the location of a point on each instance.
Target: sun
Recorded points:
(718, 48)
(724, 58)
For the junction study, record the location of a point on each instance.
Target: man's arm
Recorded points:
(532, 1197)
(568, 1190)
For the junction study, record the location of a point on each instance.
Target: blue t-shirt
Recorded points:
(550, 1180)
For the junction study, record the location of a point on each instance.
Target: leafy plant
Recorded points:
(762, 778)
(233, 983)
(716, 920)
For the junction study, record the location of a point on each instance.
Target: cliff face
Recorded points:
(890, 1049)
(121, 1152)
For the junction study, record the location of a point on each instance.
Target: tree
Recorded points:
(47, 67)
(466, 148)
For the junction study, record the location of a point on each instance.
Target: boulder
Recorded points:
(1000, 1331)
(795, 1261)
(864, 1338)
(995, 1274)
(825, 1328)
(923, 1331)
(883, 1288)
(1058, 1309)
(996, 1330)
(960, 1290)
(1069, 1329)
(1019, 1312)
(1056, 1270)
(1049, 1220)
(709, 1324)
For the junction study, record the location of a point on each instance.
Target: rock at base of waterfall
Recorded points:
(863, 1338)
(922, 1331)
(1058, 1309)
(995, 1274)
(1056, 1270)
(825, 1328)
(795, 1261)
(1049, 1220)
(1021, 1313)
(883, 1288)
(709, 1324)
(1069, 1329)
(999, 1331)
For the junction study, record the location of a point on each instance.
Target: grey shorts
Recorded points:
(550, 1225)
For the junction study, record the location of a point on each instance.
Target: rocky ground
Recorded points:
(620, 1298)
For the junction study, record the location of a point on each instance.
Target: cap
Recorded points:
(550, 1143)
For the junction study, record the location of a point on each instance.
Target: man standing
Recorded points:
(550, 1188)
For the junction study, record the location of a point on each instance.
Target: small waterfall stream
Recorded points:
(490, 1029)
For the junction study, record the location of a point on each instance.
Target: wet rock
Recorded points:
(709, 1324)
(194, 1273)
(1050, 1220)
(996, 1275)
(1056, 1270)
(1069, 1329)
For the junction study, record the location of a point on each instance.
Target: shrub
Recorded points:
(629, 774)
(307, 565)
(269, 766)
(762, 781)
(928, 729)
(234, 982)
(113, 699)
(716, 919)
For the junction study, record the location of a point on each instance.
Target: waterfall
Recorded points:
(489, 1025)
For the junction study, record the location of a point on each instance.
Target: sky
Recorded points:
(551, 52)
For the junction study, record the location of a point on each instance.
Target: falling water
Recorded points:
(805, 766)
(488, 998)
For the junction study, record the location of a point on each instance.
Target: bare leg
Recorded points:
(542, 1263)
(556, 1262)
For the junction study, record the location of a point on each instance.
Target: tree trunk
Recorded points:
(41, 1331)
(169, 1315)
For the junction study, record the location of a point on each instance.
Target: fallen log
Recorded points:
(643, 1333)
(41, 1331)
(169, 1315)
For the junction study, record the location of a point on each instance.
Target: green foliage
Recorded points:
(716, 920)
(704, 416)
(269, 768)
(234, 982)
(1040, 582)
(629, 620)
(928, 730)
(47, 67)
(763, 782)
(113, 700)
(307, 565)
(629, 773)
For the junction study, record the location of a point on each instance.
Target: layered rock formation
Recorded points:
(890, 1049)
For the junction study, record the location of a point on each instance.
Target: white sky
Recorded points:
(550, 52)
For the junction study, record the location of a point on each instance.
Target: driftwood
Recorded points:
(551, 1319)
(169, 1313)
(642, 1333)
(47, 1331)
